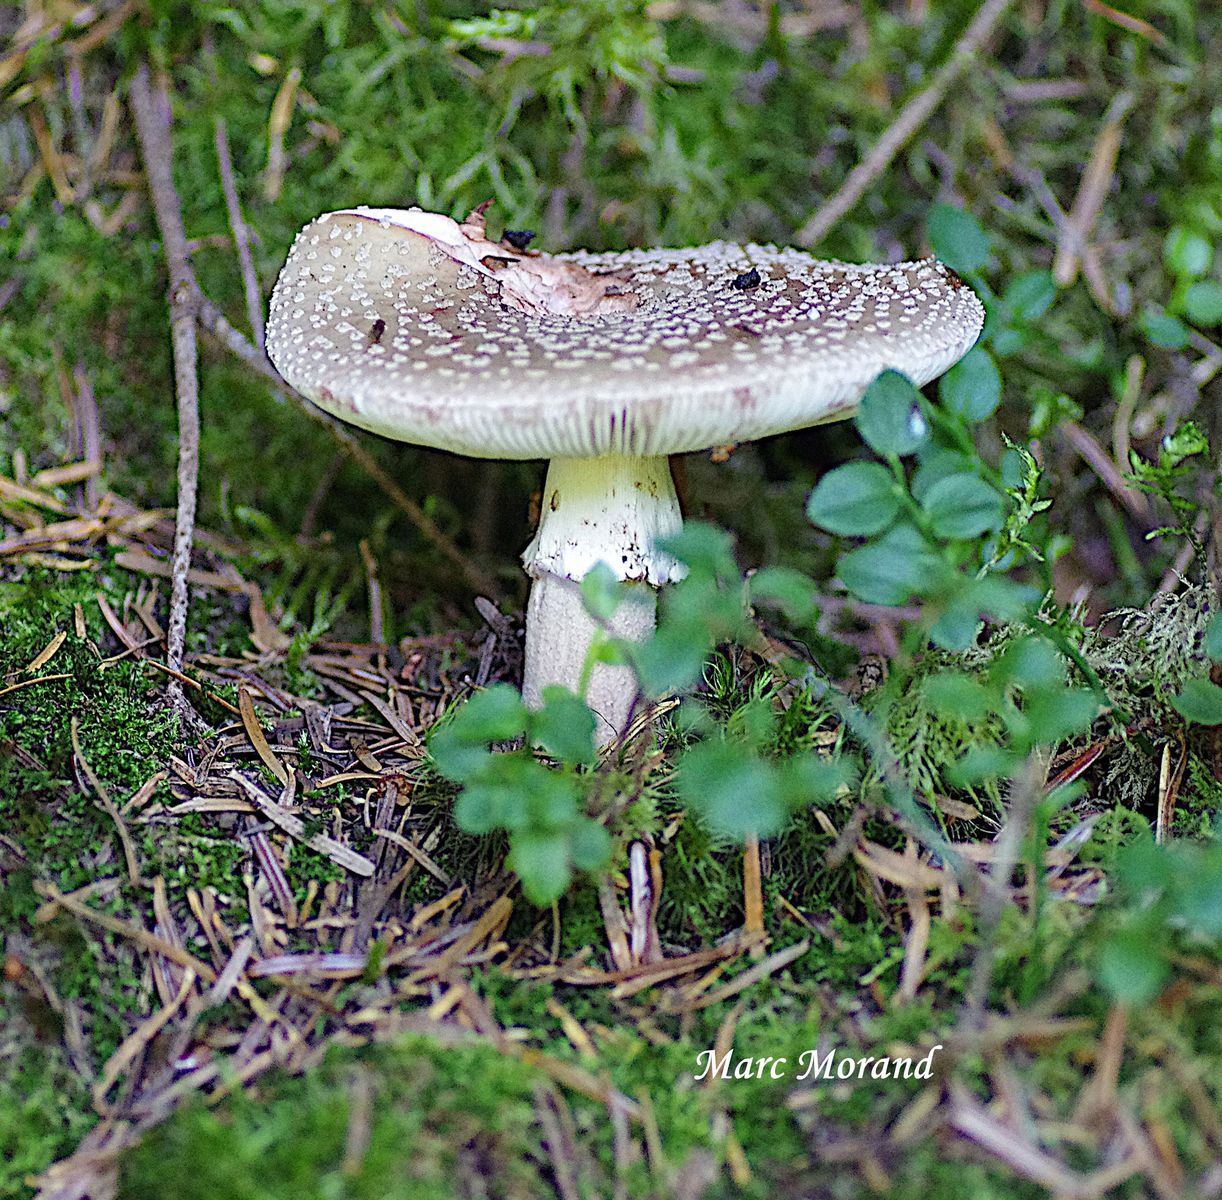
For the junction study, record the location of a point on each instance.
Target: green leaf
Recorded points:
(962, 506)
(459, 748)
(972, 387)
(564, 727)
(496, 714)
(936, 462)
(541, 861)
(891, 570)
(957, 238)
(856, 500)
(671, 660)
(1130, 966)
(890, 418)
(1055, 715)
(601, 592)
(808, 779)
(735, 792)
(479, 809)
(1009, 340)
(1199, 900)
(454, 756)
(1163, 329)
(954, 694)
(1187, 252)
(980, 764)
(1030, 662)
(1145, 868)
(1213, 638)
(789, 590)
(957, 628)
(590, 845)
(705, 548)
(1200, 702)
(1203, 303)
(544, 800)
(1030, 295)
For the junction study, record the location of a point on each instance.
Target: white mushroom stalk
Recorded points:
(613, 510)
(423, 329)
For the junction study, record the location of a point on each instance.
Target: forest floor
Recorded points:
(248, 952)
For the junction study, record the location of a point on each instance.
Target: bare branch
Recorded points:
(241, 234)
(911, 117)
(152, 113)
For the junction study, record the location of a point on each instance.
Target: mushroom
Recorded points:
(422, 329)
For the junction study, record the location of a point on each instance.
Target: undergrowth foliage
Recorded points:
(992, 675)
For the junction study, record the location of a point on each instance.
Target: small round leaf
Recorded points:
(972, 387)
(1200, 702)
(541, 860)
(957, 238)
(891, 570)
(1163, 329)
(1031, 295)
(1187, 252)
(962, 506)
(1203, 303)
(856, 500)
(564, 726)
(890, 418)
(1213, 638)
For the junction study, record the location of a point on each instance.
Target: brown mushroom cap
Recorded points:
(376, 324)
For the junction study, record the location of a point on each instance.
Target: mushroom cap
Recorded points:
(375, 319)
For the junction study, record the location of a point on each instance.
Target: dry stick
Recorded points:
(1098, 459)
(216, 323)
(911, 117)
(753, 896)
(1092, 191)
(241, 234)
(151, 110)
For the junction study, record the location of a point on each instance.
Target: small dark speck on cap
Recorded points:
(519, 239)
(747, 280)
(376, 330)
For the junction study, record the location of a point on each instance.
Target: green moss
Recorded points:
(442, 1121)
(44, 1105)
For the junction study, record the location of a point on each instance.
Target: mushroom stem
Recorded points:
(610, 509)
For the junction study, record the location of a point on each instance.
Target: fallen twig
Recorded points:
(1072, 247)
(1027, 789)
(911, 117)
(241, 233)
(151, 110)
(338, 853)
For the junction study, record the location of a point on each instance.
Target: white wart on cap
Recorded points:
(424, 330)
